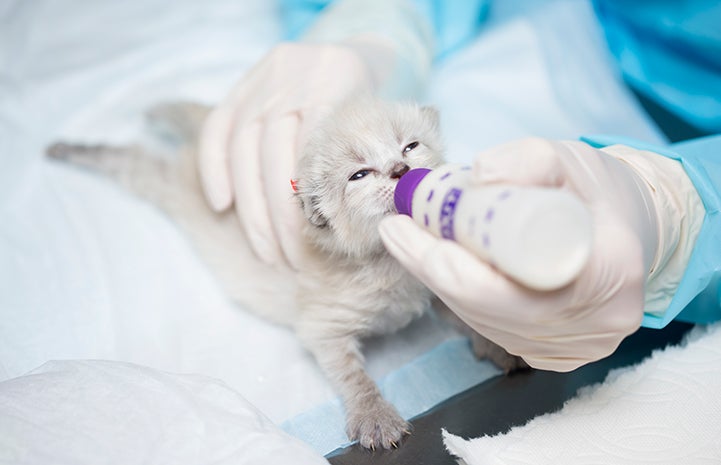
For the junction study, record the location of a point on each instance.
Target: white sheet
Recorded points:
(91, 412)
(666, 410)
(88, 272)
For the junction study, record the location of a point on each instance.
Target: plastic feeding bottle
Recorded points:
(540, 237)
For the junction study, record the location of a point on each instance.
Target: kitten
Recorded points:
(349, 287)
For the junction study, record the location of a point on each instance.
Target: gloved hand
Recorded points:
(249, 144)
(563, 329)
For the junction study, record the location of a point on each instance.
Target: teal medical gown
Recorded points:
(670, 52)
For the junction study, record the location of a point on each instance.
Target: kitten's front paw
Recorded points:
(376, 425)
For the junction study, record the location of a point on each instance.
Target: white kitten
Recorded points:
(349, 287)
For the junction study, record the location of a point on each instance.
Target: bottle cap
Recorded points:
(403, 196)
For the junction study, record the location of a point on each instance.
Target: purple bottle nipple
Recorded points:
(403, 196)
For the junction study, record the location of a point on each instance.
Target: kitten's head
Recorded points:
(351, 164)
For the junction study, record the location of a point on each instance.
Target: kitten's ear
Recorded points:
(311, 210)
(432, 115)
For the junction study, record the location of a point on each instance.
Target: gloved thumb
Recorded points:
(406, 241)
(442, 265)
(531, 161)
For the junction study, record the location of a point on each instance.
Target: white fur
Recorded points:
(350, 286)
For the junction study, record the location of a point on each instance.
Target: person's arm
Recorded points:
(691, 263)
(453, 24)
(417, 32)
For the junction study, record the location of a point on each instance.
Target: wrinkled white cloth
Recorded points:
(667, 410)
(89, 412)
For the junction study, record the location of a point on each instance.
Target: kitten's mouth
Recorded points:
(389, 200)
(391, 208)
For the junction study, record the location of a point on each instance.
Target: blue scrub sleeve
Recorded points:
(454, 22)
(698, 297)
(670, 52)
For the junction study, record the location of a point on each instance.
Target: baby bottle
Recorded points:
(539, 237)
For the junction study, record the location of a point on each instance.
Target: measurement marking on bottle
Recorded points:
(448, 211)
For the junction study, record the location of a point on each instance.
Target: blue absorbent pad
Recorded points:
(446, 370)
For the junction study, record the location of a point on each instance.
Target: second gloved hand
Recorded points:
(557, 330)
(250, 142)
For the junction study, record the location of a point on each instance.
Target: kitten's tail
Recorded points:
(148, 176)
(129, 165)
(156, 178)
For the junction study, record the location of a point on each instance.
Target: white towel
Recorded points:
(666, 410)
(102, 412)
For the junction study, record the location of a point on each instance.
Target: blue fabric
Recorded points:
(298, 15)
(448, 369)
(698, 297)
(669, 51)
(454, 22)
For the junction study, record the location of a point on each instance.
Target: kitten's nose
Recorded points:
(399, 169)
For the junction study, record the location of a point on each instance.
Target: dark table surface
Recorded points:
(502, 402)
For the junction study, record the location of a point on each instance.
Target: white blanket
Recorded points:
(89, 272)
(667, 410)
(91, 412)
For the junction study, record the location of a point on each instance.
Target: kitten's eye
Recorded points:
(410, 147)
(359, 174)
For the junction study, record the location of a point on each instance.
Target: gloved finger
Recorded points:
(532, 161)
(213, 158)
(476, 291)
(557, 364)
(552, 353)
(262, 75)
(309, 120)
(545, 354)
(407, 243)
(442, 265)
(277, 162)
(245, 102)
(250, 202)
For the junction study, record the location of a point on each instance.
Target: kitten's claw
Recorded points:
(377, 425)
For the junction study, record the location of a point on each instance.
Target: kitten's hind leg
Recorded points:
(482, 348)
(486, 349)
(370, 419)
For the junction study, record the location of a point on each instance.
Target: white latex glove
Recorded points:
(563, 329)
(249, 144)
